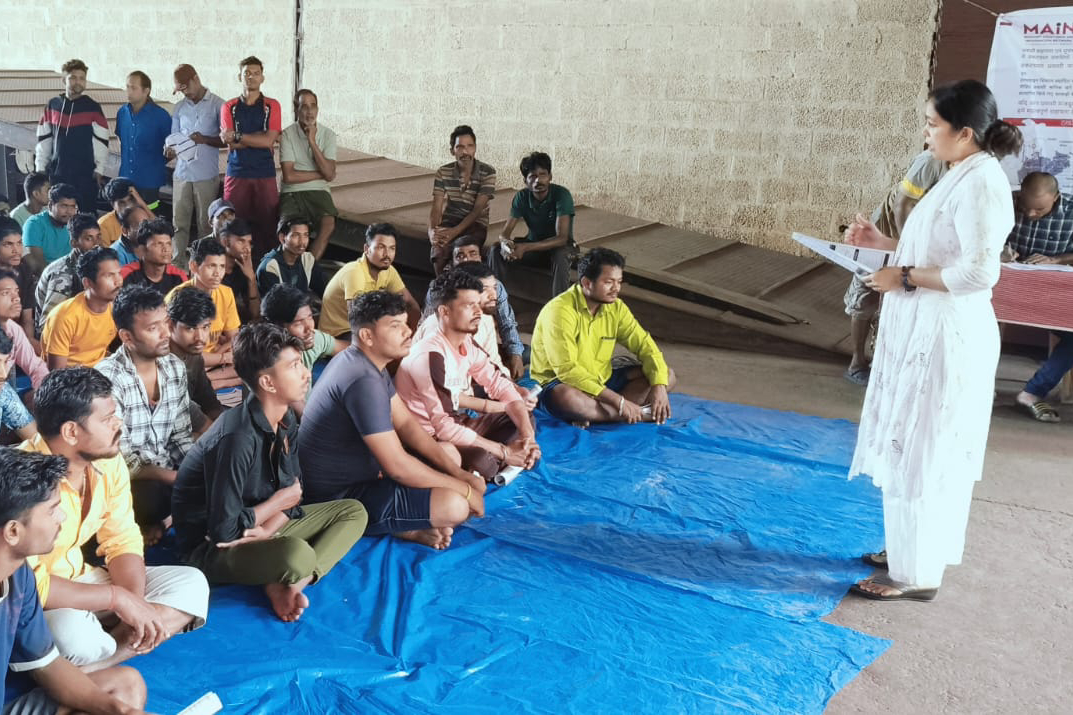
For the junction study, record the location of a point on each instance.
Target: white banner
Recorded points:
(1031, 75)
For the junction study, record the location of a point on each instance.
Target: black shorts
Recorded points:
(392, 507)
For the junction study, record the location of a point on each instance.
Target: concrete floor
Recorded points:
(999, 638)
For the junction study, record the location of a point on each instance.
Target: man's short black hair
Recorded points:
(9, 226)
(282, 303)
(467, 240)
(34, 181)
(257, 348)
(143, 78)
(191, 306)
(478, 270)
(118, 188)
(236, 227)
(460, 131)
(592, 263)
(125, 217)
(534, 161)
(67, 395)
(61, 192)
(89, 263)
(6, 345)
(370, 307)
(287, 223)
(446, 286)
(153, 227)
(73, 65)
(251, 60)
(5, 273)
(298, 98)
(134, 299)
(1037, 182)
(380, 229)
(26, 480)
(205, 247)
(79, 223)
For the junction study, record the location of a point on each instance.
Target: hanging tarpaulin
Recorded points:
(1031, 74)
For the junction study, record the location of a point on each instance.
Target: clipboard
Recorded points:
(855, 259)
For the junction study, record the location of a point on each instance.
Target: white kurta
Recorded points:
(927, 410)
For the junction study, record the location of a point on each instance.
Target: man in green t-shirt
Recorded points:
(289, 308)
(548, 212)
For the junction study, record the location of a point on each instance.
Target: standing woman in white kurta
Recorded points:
(928, 407)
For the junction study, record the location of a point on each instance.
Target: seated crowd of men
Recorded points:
(123, 330)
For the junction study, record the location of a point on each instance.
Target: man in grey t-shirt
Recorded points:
(307, 162)
(359, 441)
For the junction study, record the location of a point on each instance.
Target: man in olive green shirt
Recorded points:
(573, 344)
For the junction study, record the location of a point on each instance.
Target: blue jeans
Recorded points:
(1054, 368)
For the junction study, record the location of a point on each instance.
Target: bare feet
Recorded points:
(437, 538)
(288, 601)
(152, 533)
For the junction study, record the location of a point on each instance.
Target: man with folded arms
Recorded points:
(101, 616)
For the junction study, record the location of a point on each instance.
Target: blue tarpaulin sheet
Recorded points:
(663, 569)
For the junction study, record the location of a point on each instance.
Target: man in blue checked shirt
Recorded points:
(1043, 233)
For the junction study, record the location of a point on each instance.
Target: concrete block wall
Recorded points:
(154, 36)
(741, 120)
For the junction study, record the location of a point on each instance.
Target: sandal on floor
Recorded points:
(877, 560)
(905, 592)
(1041, 411)
(858, 375)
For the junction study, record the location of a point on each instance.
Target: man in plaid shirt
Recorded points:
(149, 387)
(1043, 233)
(59, 281)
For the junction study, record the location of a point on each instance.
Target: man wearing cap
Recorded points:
(197, 169)
(142, 125)
(250, 125)
(221, 212)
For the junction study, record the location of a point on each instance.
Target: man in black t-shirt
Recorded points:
(357, 437)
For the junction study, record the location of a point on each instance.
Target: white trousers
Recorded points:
(191, 198)
(81, 638)
(926, 534)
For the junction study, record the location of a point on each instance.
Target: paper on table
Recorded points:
(858, 260)
(1038, 267)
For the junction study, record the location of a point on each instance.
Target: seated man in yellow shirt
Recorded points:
(142, 606)
(79, 330)
(573, 344)
(208, 265)
(373, 271)
(121, 194)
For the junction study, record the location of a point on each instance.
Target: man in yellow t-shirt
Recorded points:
(208, 264)
(79, 330)
(373, 271)
(121, 194)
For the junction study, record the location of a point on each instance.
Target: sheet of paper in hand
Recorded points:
(858, 260)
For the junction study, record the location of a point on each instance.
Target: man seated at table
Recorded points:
(548, 212)
(155, 269)
(59, 281)
(573, 344)
(238, 508)
(79, 330)
(150, 390)
(373, 271)
(290, 263)
(359, 440)
(101, 616)
(31, 517)
(290, 308)
(1043, 234)
(208, 263)
(190, 316)
(121, 194)
(442, 366)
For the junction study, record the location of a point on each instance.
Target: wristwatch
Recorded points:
(909, 287)
(238, 137)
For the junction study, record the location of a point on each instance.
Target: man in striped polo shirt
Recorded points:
(460, 195)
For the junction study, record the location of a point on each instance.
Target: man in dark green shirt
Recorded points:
(548, 212)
